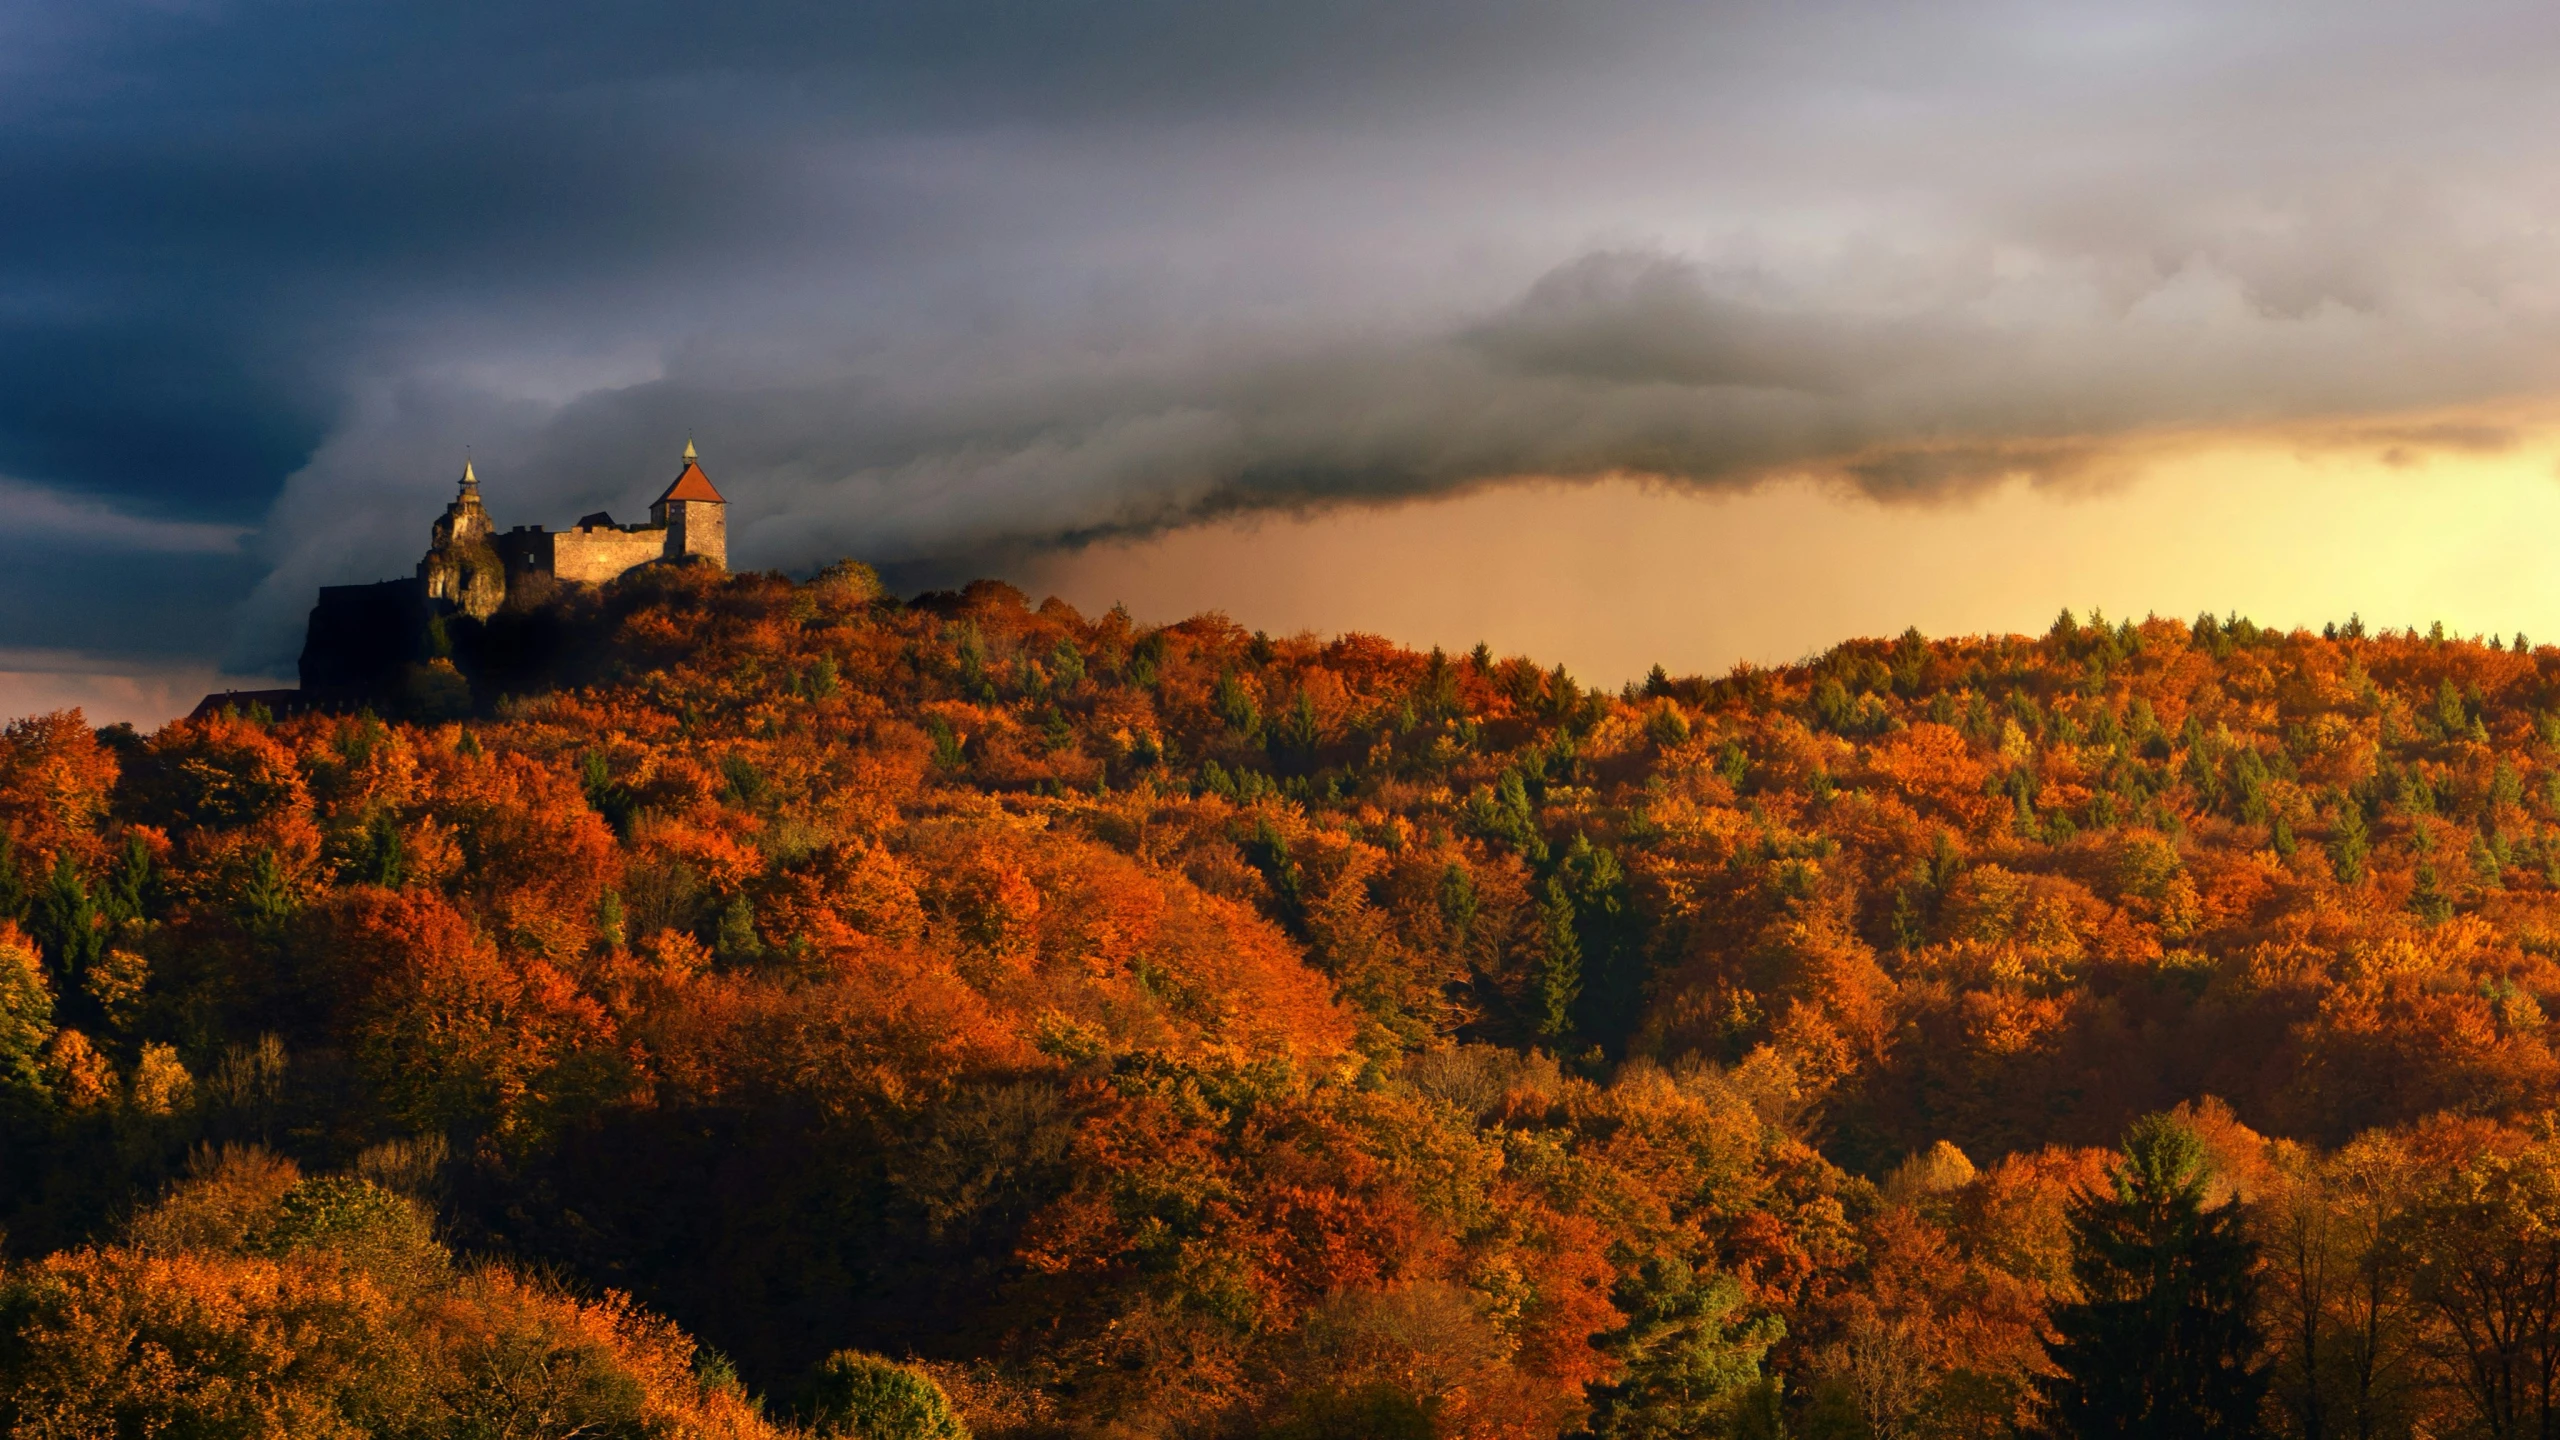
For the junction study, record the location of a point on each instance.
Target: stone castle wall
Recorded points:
(588, 555)
(596, 556)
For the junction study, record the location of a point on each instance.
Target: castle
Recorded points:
(471, 566)
(369, 641)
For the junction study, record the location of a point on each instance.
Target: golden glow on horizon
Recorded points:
(2436, 518)
(33, 682)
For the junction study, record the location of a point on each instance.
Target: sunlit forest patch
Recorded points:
(812, 1013)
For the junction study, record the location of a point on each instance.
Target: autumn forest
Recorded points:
(809, 1013)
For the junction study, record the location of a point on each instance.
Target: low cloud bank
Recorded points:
(1624, 362)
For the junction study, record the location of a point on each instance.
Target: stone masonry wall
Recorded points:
(596, 556)
(700, 529)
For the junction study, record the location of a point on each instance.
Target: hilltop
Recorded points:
(1188, 1031)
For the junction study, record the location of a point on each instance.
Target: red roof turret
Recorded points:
(692, 484)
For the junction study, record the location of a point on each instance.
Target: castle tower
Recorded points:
(460, 568)
(465, 520)
(695, 517)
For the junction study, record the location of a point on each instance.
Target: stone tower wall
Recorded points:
(698, 528)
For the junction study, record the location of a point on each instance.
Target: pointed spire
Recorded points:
(470, 481)
(690, 482)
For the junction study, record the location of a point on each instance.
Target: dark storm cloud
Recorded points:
(136, 604)
(1645, 318)
(932, 282)
(224, 214)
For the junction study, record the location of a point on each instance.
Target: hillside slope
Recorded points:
(1183, 1032)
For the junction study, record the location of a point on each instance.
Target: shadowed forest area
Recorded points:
(809, 1012)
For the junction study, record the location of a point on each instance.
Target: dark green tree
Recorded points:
(949, 752)
(2161, 1345)
(266, 899)
(734, 941)
(1690, 1357)
(1734, 765)
(1606, 930)
(133, 888)
(384, 861)
(1458, 904)
(1292, 735)
(2348, 844)
(1505, 812)
(2428, 896)
(2451, 713)
(13, 882)
(1667, 726)
(1236, 707)
(1268, 850)
(66, 921)
(1436, 697)
(1066, 667)
(1055, 733)
(1559, 975)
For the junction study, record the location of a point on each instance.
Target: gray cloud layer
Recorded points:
(930, 283)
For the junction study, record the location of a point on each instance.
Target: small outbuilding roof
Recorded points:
(692, 484)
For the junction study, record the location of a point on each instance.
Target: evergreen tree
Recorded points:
(1607, 935)
(2161, 1345)
(735, 941)
(2348, 846)
(13, 882)
(134, 888)
(65, 921)
(268, 899)
(1437, 697)
(1292, 735)
(1666, 726)
(1457, 899)
(384, 861)
(1559, 977)
(2428, 897)
(1690, 1357)
(1235, 706)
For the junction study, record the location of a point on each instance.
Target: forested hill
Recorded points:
(1189, 1032)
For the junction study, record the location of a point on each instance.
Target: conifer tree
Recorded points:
(1559, 974)
(1457, 901)
(1691, 1355)
(2348, 846)
(13, 883)
(2161, 1344)
(66, 920)
(1611, 950)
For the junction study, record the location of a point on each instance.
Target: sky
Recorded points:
(1612, 333)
